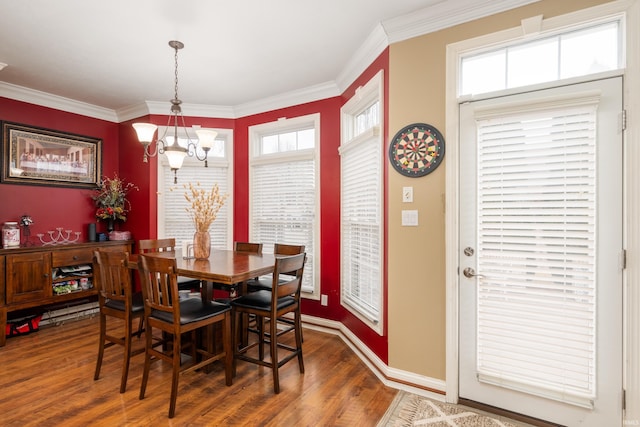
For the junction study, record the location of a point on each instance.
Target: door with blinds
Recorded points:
(540, 253)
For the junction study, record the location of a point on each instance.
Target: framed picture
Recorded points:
(37, 156)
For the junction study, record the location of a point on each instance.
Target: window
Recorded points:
(573, 53)
(284, 193)
(361, 220)
(173, 220)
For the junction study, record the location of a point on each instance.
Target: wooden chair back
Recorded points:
(112, 277)
(254, 248)
(157, 245)
(293, 267)
(160, 285)
(282, 249)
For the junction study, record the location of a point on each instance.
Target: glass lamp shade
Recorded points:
(175, 156)
(206, 138)
(145, 131)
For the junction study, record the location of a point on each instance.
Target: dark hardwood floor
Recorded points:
(46, 379)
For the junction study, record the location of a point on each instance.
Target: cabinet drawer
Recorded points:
(72, 257)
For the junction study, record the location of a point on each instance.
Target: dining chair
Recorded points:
(265, 282)
(164, 310)
(167, 245)
(283, 298)
(116, 299)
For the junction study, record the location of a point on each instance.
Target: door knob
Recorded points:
(470, 272)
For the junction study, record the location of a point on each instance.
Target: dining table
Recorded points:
(229, 267)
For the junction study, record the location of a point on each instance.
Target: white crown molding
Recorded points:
(134, 111)
(296, 97)
(444, 15)
(56, 102)
(164, 108)
(372, 47)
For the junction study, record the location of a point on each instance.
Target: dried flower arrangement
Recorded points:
(204, 205)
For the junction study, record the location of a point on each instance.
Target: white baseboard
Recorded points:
(391, 377)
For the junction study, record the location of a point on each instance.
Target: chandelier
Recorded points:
(168, 143)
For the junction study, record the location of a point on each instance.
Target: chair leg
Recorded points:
(147, 360)
(261, 334)
(103, 332)
(176, 375)
(299, 340)
(235, 341)
(229, 360)
(140, 327)
(273, 328)
(127, 353)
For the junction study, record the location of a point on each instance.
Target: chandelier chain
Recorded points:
(176, 74)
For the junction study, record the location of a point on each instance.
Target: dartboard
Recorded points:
(416, 150)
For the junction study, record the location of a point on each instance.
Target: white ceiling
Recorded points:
(239, 55)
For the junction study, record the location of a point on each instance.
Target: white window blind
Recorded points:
(176, 222)
(283, 208)
(284, 190)
(361, 224)
(536, 252)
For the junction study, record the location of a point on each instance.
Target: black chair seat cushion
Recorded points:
(137, 303)
(261, 283)
(261, 300)
(192, 310)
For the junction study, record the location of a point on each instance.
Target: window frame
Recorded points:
(227, 160)
(533, 30)
(363, 99)
(256, 158)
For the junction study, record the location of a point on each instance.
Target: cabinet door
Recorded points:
(2, 282)
(28, 277)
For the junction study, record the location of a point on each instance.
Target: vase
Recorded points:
(110, 225)
(26, 235)
(201, 245)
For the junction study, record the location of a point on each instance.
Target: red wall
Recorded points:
(53, 207)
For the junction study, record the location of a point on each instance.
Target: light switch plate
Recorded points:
(407, 194)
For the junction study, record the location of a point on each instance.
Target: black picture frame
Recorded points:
(37, 156)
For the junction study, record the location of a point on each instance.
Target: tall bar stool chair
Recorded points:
(283, 298)
(265, 282)
(164, 310)
(112, 278)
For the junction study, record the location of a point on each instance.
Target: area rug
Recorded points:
(408, 409)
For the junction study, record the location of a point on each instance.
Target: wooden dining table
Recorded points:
(232, 268)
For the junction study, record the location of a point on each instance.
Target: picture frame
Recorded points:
(38, 156)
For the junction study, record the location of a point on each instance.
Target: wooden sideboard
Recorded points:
(38, 276)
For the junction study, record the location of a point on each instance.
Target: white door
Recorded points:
(540, 253)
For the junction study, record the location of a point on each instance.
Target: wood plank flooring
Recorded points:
(46, 379)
